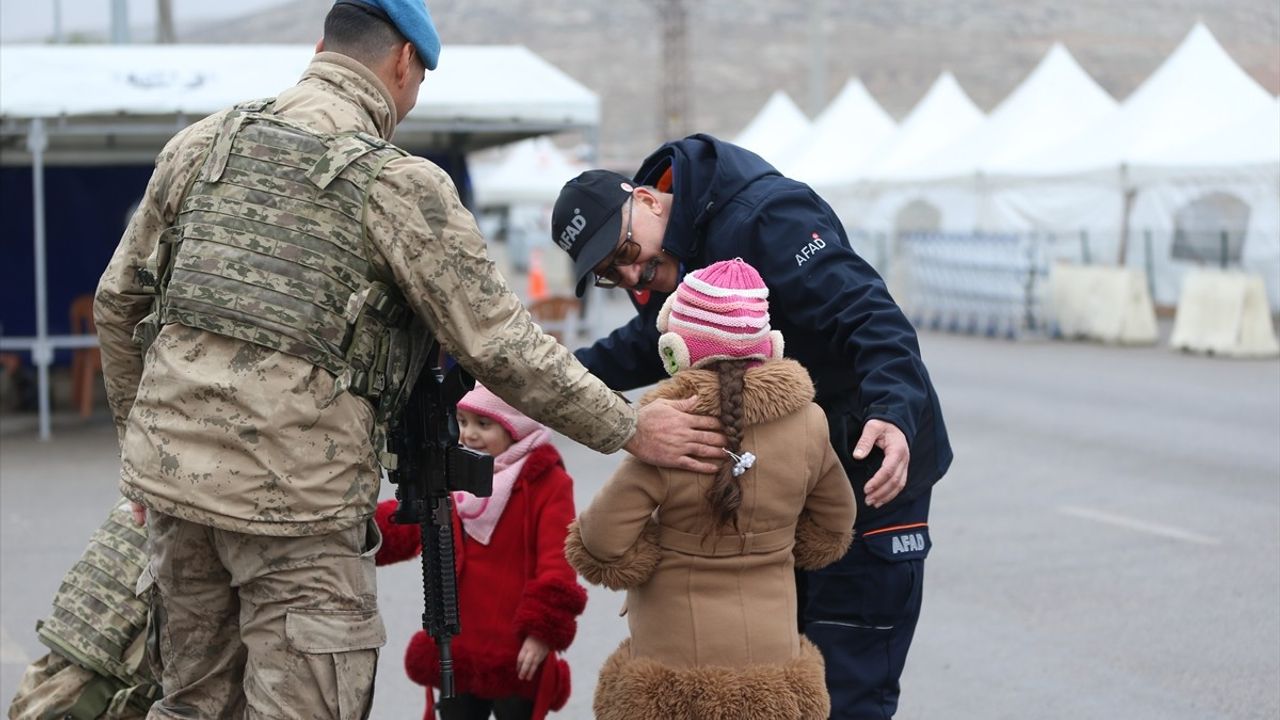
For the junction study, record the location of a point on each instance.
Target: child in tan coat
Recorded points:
(708, 560)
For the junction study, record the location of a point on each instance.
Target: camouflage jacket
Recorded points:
(240, 437)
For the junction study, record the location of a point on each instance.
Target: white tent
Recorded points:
(775, 129)
(1250, 141)
(1198, 89)
(1051, 105)
(119, 104)
(1179, 169)
(1224, 181)
(957, 183)
(515, 194)
(848, 133)
(531, 172)
(114, 102)
(944, 114)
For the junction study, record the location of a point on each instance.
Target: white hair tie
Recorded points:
(742, 462)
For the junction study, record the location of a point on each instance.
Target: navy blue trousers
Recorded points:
(862, 610)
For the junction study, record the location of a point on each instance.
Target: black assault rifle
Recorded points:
(430, 464)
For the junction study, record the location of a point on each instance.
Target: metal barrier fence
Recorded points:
(989, 284)
(996, 284)
(993, 284)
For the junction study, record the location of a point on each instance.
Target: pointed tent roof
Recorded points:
(1197, 90)
(942, 115)
(1048, 107)
(847, 133)
(778, 126)
(532, 171)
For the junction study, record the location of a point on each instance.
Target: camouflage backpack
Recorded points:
(97, 635)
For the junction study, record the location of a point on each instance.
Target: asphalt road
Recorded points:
(1107, 543)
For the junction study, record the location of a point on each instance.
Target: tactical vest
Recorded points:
(269, 248)
(98, 622)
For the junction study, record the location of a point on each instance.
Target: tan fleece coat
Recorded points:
(713, 619)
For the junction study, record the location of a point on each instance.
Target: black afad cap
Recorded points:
(587, 220)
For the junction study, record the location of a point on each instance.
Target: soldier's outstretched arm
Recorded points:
(437, 257)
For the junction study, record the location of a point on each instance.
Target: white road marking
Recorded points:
(1139, 525)
(11, 653)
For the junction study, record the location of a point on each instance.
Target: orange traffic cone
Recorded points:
(537, 279)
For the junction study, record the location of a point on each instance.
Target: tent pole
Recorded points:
(1127, 194)
(41, 352)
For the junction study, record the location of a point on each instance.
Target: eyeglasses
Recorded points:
(625, 255)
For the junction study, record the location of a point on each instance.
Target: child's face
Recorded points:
(480, 433)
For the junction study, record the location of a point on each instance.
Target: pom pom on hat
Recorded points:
(482, 401)
(720, 312)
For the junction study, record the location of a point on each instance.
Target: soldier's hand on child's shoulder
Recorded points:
(669, 434)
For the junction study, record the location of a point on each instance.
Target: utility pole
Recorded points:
(818, 57)
(120, 22)
(165, 34)
(675, 68)
(57, 22)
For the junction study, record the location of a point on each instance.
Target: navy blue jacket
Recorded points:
(833, 309)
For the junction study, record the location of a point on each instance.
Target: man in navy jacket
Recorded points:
(700, 200)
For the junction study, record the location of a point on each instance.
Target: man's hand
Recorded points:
(532, 653)
(669, 435)
(139, 513)
(892, 475)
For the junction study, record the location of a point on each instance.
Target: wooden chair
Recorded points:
(86, 363)
(558, 316)
(9, 363)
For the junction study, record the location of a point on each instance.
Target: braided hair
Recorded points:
(725, 494)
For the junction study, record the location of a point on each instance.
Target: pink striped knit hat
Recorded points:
(719, 312)
(482, 401)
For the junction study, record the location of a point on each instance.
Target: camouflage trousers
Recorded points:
(251, 626)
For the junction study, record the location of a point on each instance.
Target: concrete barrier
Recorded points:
(1106, 304)
(1224, 313)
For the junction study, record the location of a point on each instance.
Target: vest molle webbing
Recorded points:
(97, 621)
(269, 248)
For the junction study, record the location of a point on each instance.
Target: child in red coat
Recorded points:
(518, 599)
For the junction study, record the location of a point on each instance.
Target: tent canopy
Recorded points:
(1050, 106)
(844, 137)
(942, 115)
(532, 172)
(1248, 141)
(114, 103)
(776, 129)
(1197, 90)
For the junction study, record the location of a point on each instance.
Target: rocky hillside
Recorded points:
(742, 50)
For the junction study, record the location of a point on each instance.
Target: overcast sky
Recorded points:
(32, 20)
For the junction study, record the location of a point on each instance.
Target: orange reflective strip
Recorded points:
(892, 528)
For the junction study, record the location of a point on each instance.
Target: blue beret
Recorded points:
(413, 21)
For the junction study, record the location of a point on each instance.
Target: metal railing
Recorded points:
(997, 284)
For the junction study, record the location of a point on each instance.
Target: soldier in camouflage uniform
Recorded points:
(95, 667)
(279, 278)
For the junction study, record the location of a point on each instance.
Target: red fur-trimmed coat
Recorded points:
(518, 585)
